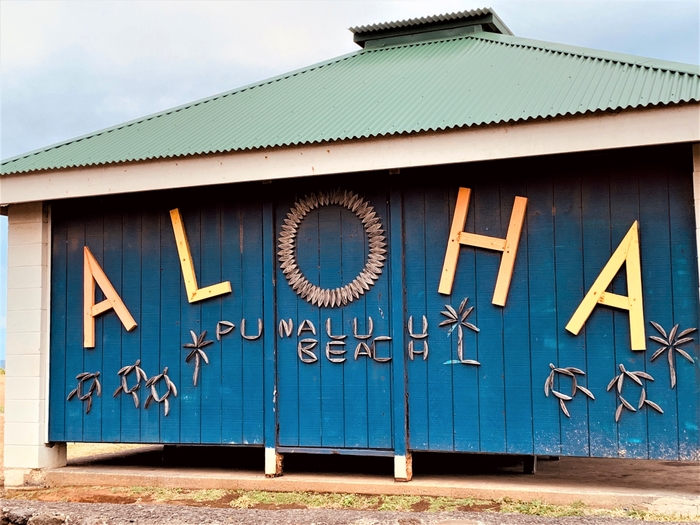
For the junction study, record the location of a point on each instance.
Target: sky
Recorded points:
(70, 68)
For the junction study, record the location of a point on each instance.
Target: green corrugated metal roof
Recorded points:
(480, 79)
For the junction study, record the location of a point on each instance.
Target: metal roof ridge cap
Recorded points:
(589, 52)
(4, 162)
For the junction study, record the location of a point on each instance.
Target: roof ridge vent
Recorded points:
(435, 27)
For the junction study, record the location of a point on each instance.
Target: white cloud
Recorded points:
(24, 33)
(69, 68)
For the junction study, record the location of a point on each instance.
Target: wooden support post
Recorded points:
(530, 465)
(273, 463)
(403, 467)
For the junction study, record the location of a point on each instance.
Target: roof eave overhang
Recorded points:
(592, 132)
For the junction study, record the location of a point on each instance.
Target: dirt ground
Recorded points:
(226, 499)
(2, 422)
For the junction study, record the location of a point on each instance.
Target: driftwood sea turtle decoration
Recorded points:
(570, 372)
(170, 389)
(124, 386)
(87, 396)
(637, 377)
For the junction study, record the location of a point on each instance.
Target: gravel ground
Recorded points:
(39, 513)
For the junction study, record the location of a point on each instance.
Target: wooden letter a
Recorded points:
(626, 252)
(93, 273)
(509, 246)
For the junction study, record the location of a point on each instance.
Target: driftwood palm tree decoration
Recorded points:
(153, 396)
(571, 372)
(124, 387)
(618, 381)
(458, 319)
(196, 345)
(670, 344)
(87, 396)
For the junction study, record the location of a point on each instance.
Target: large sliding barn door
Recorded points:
(215, 390)
(515, 379)
(334, 350)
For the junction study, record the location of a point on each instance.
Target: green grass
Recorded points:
(442, 504)
(399, 502)
(578, 508)
(314, 500)
(311, 500)
(539, 508)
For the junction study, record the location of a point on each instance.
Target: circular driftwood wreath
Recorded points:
(375, 236)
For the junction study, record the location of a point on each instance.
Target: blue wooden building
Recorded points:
(454, 239)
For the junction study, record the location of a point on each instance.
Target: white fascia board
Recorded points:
(629, 128)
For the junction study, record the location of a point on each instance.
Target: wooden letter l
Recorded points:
(194, 292)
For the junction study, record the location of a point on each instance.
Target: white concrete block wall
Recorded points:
(26, 390)
(696, 196)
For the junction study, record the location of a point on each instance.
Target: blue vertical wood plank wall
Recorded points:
(132, 239)
(256, 391)
(326, 404)
(578, 212)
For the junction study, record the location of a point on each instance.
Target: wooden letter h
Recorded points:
(509, 246)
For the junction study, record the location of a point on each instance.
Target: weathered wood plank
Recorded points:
(417, 291)
(569, 257)
(600, 365)
(685, 312)
(211, 272)
(516, 327)
(131, 292)
(149, 332)
(171, 351)
(58, 387)
(543, 308)
(252, 264)
(489, 319)
(439, 211)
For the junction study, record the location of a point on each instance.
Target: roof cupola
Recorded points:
(429, 28)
